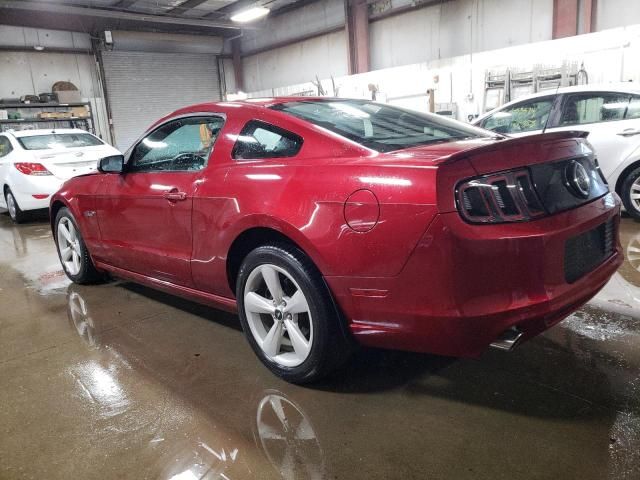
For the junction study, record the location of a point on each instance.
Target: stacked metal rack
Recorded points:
(510, 84)
(83, 122)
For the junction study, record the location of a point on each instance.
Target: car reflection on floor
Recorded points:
(281, 429)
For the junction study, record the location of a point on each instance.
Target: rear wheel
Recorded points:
(288, 315)
(16, 214)
(630, 193)
(73, 253)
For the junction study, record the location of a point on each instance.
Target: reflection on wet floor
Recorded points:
(119, 381)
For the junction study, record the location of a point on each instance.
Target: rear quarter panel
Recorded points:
(305, 202)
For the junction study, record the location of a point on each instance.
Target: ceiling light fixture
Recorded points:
(39, 48)
(250, 14)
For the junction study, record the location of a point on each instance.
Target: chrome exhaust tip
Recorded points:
(508, 340)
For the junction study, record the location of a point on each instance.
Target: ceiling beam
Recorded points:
(184, 6)
(232, 8)
(118, 15)
(124, 4)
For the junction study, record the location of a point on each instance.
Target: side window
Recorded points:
(522, 117)
(262, 140)
(594, 108)
(179, 145)
(5, 146)
(633, 111)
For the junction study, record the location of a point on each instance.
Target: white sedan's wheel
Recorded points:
(630, 193)
(69, 246)
(11, 205)
(278, 315)
(634, 194)
(15, 212)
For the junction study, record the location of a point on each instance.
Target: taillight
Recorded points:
(31, 168)
(499, 198)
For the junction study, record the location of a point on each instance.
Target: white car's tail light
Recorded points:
(499, 198)
(29, 168)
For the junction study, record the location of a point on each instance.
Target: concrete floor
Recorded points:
(118, 381)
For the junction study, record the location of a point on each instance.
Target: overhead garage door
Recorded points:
(142, 87)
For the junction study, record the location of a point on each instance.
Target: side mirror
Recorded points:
(111, 164)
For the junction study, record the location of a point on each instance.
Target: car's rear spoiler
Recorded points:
(510, 142)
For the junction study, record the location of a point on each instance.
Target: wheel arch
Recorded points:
(256, 236)
(53, 212)
(251, 239)
(623, 175)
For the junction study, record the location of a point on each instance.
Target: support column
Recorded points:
(573, 17)
(589, 16)
(565, 18)
(357, 23)
(237, 64)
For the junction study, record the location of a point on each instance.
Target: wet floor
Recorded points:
(119, 381)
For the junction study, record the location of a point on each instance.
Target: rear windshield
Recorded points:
(376, 126)
(59, 140)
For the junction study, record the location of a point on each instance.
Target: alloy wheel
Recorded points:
(278, 315)
(69, 246)
(634, 194)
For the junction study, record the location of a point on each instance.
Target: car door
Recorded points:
(523, 118)
(6, 154)
(145, 213)
(612, 120)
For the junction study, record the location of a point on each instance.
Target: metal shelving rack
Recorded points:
(85, 123)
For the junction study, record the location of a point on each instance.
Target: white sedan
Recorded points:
(611, 115)
(35, 163)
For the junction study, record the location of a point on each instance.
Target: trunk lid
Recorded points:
(66, 163)
(494, 154)
(548, 159)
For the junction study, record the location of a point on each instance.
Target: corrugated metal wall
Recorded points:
(142, 87)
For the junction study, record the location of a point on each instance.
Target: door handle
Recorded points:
(629, 132)
(174, 195)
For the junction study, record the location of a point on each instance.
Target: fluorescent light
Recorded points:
(250, 14)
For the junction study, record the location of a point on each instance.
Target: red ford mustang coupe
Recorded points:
(324, 221)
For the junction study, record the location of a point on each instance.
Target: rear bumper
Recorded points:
(466, 284)
(24, 190)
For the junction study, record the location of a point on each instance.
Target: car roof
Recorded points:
(622, 87)
(43, 131)
(267, 102)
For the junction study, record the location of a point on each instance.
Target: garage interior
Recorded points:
(122, 381)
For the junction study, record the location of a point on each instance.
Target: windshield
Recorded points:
(59, 140)
(376, 126)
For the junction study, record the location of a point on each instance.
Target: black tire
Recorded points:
(625, 194)
(17, 215)
(330, 347)
(88, 273)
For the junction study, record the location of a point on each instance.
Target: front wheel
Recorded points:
(72, 251)
(630, 193)
(288, 316)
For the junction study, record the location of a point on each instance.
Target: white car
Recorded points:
(611, 115)
(35, 163)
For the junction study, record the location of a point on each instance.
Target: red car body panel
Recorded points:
(404, 267)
